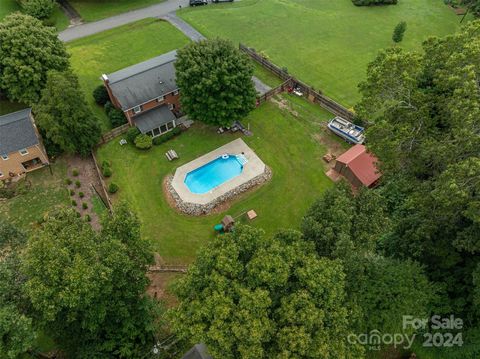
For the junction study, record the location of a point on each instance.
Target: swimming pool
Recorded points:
(213, 174)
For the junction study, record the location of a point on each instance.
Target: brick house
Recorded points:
(147, 93)
(21, 148)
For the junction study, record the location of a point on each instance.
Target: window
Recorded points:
(170, 125)
(5, 157)
(23, 152)
(171, 106)
(156, 131)
(175, 93)
(137, 109)
(163, 128)
(160, 99)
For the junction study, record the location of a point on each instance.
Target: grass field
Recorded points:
(92, 10)
(326, 43)
(285, 142)
(115, 49)
(58, 18)
(46, 192)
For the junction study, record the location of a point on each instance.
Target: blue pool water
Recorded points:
(213, 174)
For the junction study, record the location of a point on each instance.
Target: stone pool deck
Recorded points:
(254, 173)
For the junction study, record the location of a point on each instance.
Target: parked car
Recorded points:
(198, 2)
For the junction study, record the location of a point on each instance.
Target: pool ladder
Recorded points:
(242, 159)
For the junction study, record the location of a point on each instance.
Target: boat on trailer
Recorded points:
(347, 130)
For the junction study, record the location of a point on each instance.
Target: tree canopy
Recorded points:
(252, 296)
(64, 117)
(215, 79)
(28, 50)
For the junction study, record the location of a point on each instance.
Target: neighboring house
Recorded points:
(21, 148)
(147, 93)
(358, 166)
(198, 351)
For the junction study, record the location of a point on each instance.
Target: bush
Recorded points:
(72, 192)
(117, 117)
(107, 172)
(7, 193)
(399, 31)
(167, 136)
(143, 142)
(88, 218)
(100, 95)
(374, 2)
(75, 172)
(68, 181)
(132, 134)
(106, 164)
(78, 184)
(81, 194)
(108, 107)
(113, 188)
(41, 9)
(74, 203)
(84, 205)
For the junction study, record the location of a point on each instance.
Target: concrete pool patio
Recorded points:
(254, 173)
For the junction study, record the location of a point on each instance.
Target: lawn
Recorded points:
(115, 49)
(325, 43)
(46, 192)
(285, 139)
(58, 18)
(93, 10)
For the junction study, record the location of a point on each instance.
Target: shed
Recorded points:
(228, 223)
(358, 166)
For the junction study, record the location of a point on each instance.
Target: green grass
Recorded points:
(98, 206)
(8, 107)
(115, 49)
(325, 43)
(92, 10)
(46, 192)
(7, 7)
(285, 142)
(266, 76)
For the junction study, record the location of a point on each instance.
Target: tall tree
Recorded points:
(63, 115)
(28, 50)
(87, 289)
(216, 82)
(249, 296)
(399, 32)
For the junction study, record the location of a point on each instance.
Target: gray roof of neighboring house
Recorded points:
(17, 132)
(198, 351)
(149, 120)
(145, 81)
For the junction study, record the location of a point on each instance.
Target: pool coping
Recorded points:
(254, 172)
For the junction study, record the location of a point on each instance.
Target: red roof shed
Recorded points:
(358, 166)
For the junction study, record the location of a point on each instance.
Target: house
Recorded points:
(21, 148)
(147, 93)
(358, 166)
(198, 351)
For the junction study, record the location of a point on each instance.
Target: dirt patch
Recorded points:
(159, 287)
(334, 147)
(283, 104)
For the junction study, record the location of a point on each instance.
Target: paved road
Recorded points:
(91, 28)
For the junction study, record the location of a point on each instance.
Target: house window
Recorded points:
(160, 99)
(5, 157)
(169, 125)
(156, 132)
(137, 109)
(163, 128)
(171, 106)
(175, 93)
(23, 152)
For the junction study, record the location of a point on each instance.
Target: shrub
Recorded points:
(373, 2)
(106, 164)
(113, 188)
(74, 203)
(399, 31)
(41, 9)
(107, 172)
(117, 117)
(68, 181)
(143, 142)
(75, 172)
(7, 193)
(100, 95)
(78, 184)
(84, 205)
(108, 107)
(132, 134)
(81, 194)
(167, 136)
(72, 192)
(88, 218)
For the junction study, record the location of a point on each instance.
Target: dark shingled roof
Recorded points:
(145, 81)
(198, 351)
(149, 120)
(17, 132)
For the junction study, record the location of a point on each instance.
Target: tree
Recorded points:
(28, 50)
(215, 80)
(17, 334)
(87, 289)
(399, 31)
(64, 117)
(41, 9)
(248, 296)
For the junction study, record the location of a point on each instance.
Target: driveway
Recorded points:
(91, 28)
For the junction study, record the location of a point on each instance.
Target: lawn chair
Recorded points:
(171, 155)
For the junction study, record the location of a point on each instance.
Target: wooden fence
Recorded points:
(106, 137)
(291, 82)
(102, 192)
(169, 268)
(268, 95)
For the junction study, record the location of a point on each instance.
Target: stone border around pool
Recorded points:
(195, 209)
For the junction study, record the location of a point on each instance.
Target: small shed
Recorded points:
(228, 223)
(359, 167)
